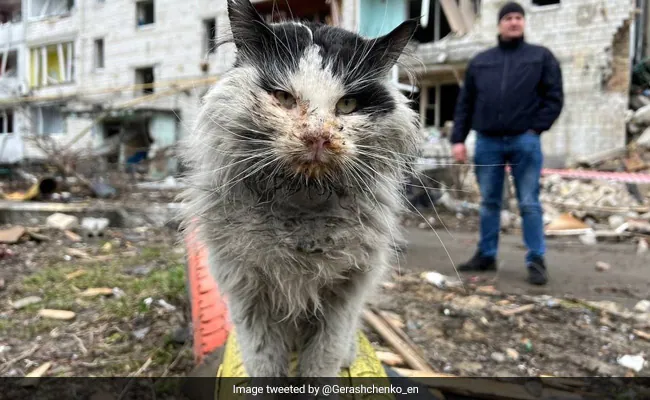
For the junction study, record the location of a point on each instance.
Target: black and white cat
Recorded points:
(296, 166)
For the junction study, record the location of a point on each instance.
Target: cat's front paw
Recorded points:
(351, 355)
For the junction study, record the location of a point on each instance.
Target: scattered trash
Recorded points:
(75, 274)
(589, 238)
(635, 363)
(642, 334)
(118, 293)
(567, 224)
(602, 266)
(615, 221)
(642, 247)
(141, 333)
(77, 253)
(435, 278)
(512, 354)
(27, 301)
(147, 301)
(518, 310)
(498, 357)
(487, 290)
(72, 236)
(527, 345)
(12, 235)
(94, 227)
(166, 305)
(57, 314)
(107, 247)
(2, 283)
(62, 221)
(94, 292)
(643, 306)
(31, 378)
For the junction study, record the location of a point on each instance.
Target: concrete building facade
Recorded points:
(91, 73)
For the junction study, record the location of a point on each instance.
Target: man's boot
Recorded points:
(537, 274)
(479, 263)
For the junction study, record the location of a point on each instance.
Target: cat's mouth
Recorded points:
(318, 155)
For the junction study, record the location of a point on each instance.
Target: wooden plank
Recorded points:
(409, 354)
(482, 388)
(398, 330)
(454, 17)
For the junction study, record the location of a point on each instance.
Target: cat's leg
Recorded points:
(331, 343)
(262, 340)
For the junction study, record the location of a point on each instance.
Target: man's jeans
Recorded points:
(524, 155)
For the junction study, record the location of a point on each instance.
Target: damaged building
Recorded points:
(595, 42)
(124, 78)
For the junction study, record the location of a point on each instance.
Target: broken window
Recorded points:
(545, 2)
(10, 11)
(326, 12)
(144, 76)
(432, 28)
(6, 121)
(51, 64)
(49, 8)
(145, 12)
(99, 54)
(48, 120)
(209, 35)
(9, 64)
(443, 17)
(437, 104)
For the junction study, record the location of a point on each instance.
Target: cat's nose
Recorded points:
(316, 142)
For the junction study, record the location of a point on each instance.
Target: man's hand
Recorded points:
(459, 152)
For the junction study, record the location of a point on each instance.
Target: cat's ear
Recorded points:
(249, 30)
(388, 48)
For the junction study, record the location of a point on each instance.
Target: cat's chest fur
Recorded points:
(305, 232)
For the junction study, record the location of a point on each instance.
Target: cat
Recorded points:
(295, 169)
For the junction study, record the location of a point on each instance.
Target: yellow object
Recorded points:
(32, 193)
(366, 365)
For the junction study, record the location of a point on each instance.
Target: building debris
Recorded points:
(635, 363)
(95, 292)
(62, 221)
(12, 235)
(57, 314)
(27, 301)
(602, 266)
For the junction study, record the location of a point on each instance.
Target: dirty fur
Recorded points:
(297, 241)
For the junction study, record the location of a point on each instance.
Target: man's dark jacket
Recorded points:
(509, 89)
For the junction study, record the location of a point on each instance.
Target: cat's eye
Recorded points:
(346, 105)
(285, 99)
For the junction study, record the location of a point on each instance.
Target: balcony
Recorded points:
(11, 33)
(11, 25)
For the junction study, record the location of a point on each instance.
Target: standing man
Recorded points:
(512, 93)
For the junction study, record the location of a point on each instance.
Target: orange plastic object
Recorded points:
(209, 310)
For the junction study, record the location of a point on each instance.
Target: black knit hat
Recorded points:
(511, 7)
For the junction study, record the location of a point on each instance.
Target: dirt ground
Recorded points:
(140, 324)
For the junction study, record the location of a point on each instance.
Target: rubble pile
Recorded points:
(473, 329)
(586, 194)
(638, 126)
